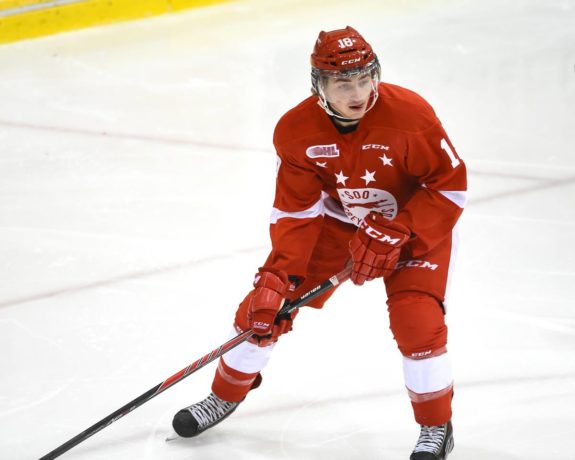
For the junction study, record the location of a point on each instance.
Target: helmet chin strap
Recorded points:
(324, 104)
(335, 114)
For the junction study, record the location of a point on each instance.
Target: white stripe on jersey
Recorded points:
(452, 261)
(459, 198)
(314, 211)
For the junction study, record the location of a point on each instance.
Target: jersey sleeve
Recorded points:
(297, 213)
(434, 208)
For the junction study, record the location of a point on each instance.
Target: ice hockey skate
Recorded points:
(434, 443)
(197, 418)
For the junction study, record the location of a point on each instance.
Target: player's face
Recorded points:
(349, 96)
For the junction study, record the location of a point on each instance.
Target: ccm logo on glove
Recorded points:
(383, 237)
(270, 289)
(260, 325)
(375, 247)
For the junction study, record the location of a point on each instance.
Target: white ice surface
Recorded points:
(136, 179)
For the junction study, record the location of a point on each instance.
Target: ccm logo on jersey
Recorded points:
(322, 151)
(375, 146)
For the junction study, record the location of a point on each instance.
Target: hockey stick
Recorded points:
(196, 365)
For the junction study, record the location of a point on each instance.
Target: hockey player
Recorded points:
(365, 172)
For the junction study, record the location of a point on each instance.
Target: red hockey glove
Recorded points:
(271, 287)
(282, 325)
(375, 247)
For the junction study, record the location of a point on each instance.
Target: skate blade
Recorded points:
(172, 437)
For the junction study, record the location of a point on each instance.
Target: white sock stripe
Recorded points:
(248, 357)
(233, 380)
(423, 397)
(427, 375)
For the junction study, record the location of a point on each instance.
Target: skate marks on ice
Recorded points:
(151, 272)
(481, 453)
(513, 381)
(338, 427)
(537, 183)
(321, 427)
(133, 136)
(36, 402)
(504, 180)
(542, 185)
(295, 430)
(31, 395)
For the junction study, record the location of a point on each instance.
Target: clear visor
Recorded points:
(352, 87)
(371, 68)
(339, 86)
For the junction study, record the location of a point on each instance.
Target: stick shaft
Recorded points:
(190, 369)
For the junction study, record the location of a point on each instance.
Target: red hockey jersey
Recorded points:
(399, 162)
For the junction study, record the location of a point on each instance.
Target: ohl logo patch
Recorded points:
(322, 151)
